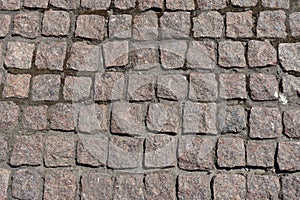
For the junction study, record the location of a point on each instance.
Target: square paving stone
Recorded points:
(45, 87)
(196, 153)
(231, 54)
(27, 24)
(265, 122)
(4, 182)
(62, 116)
(145, 26)
(116, 53)
(288, 156)
(175, 24)
(141, 87)
(194, 187)
(125, 153)
(60, 184)
(291, 120)
(232, 118)
(124, 4)
(164, 117)
(34, 117)
(208, 24)
(264, 87)
(289, 55)
(27, 150)
(19, 55)
(26, 184)
(144, 5)
(129, 186)
(199, 118)
(261, 153)
(276, 3)
(3, 150)
(77, 88)
(201, 55)
(233, 86)
(5, 21)
(261, 53)
(180, 4)
(239, 24)
(91, 27)
(95, 4)
(160, 186)
(119, 26)
(291, 85)
(203, 87)
(109, 86)
(85, 57)
(144, 56)
(36, 3)
(9, 114)
(64, 4)
(51, 55)
(10, 5)
(262, 187)
(56, 23)
(231, 152)
(271, 24)
(290, 187)
(128, 118)
(91, 150)
(243, 3)
(17, 86)
(294, 19)
(59, 150)
(173, 87)
(96, 186)
(173, 54)
(211, 4)
(229, 186)
(160, 151)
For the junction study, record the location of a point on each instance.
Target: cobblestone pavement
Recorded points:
(149, 99)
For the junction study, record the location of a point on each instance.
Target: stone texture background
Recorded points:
(149, 99)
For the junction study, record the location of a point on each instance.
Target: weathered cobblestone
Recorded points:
(173, 54)
(77, 88)
(35, 117)
(65, 4)
(276, 3)
(120, 26)
(5, 21)
(261, 53)
(262, 187)
(145, 26)
(194, 187)
(140, 87)
(160, 185)
(144, 5)
(291, 120)
(129, 187)
(62, 117)
(291, 86)
(144, 56)
(56, 23)
(3, 150)
(231, 54)
(90, 26)
(290, 185)
(287, 156)
(289, 56)
(125, 4)
(45, 87)
(232, 119)
(36, 3)
(27, 24)
(180, 4)
(175, 24)
(233, 86)
(10, 5)
(264, 87)
(9, 113)
(239, 24)
(271, 24)
(17, 86)
(243, 3)
(172, 87)
(4, 181)
(116, 53)
(95, 4)
(294, 19)
(208, 24)
(211, 4)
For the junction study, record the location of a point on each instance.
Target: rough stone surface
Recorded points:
(19, 55)
(194, 187)
(233, 86)
(290, 187)
(201, 55)
(129, 187)
(125, 153)
(294, 19)
(119, 26)
(291, 86)
(263, 86)
(27, 24)
(208, 24)
(287, 158)
(90, 26)
(64, 4)
(243, 3)
(109, 86)
(45, 87)
(175, 24)
(231, 152)
(92, 151)
(145, 26)
(3, 150)
(27, 150)
(62, 117)
(10, 5)
(51, 55)
(211, 4)
(232, 119)
(5, 21)
(260, 153)
(59, 150)
(95, 4)
(26, 184)
(276, 3)
(35, 117)
(160, 186)
(116, 53)
(125, 4)
(289, 56)
(17, 86)
(144, 56)
(56, 23)
(239, 24)
(36, 3)
(9, 113)
(173, 54)
(172, 87)
(180, 4)
(4, 181)
(291, 120)
(77, 88)
(232, 54)
(271, 24)
(96, 186)
(265, 122)
(229, 186)
(164, 117)
(85, 57)
(196, 153)
(128, 118)
(59, 184)
(160, 151)
(93, 118)
(140, 87)
(262, 187)
(261, 53)
(144, 5)
(199, 118)
(203, 87)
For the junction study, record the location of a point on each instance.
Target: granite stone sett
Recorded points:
(56, 23)
(5, 21)
(27, 24)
